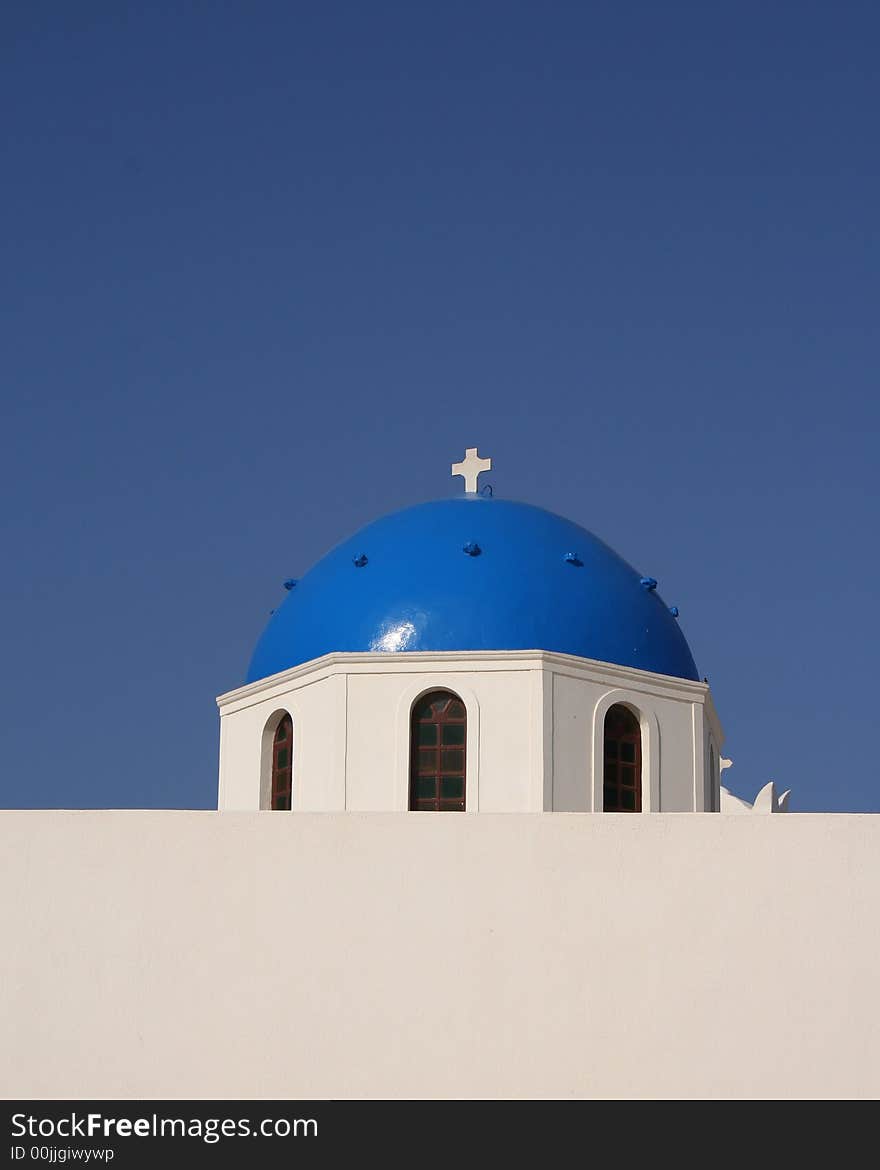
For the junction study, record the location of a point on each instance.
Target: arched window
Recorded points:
(622, 781)
(712, 784)
(438, 733)
(282, 765)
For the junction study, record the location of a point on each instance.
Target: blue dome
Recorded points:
(530, 580)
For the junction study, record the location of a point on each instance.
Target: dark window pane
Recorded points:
(456, 710)
(620, 722)
(453, 760)
(426, 761)
(282, 760)
(628, 777)
(609, 798)
(427, 733)
(610, 772)
(438, 707)
(426, 787)
(627, 800)
(453, 733)
(628, 752)
(610, 748)
(452, 787)
(281, 733)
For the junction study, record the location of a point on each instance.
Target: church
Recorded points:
(473, 654)
(597, 924)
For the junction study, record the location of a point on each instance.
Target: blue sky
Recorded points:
(270, 267)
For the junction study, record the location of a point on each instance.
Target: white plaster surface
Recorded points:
(247, 955)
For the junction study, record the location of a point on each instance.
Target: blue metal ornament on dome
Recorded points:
(420, 594)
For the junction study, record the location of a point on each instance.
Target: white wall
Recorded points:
(237, 955)
(535, 724)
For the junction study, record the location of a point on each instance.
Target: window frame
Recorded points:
(281, 777)
(426, 754)
(616, 753)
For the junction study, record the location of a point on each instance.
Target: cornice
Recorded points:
(451, 661)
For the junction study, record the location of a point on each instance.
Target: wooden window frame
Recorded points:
(622, 761)
(281, 792)
(434, 756)
(710, 789)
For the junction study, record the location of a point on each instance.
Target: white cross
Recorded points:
(471, 468)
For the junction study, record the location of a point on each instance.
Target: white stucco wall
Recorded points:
(239, 955)
(535, 724)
